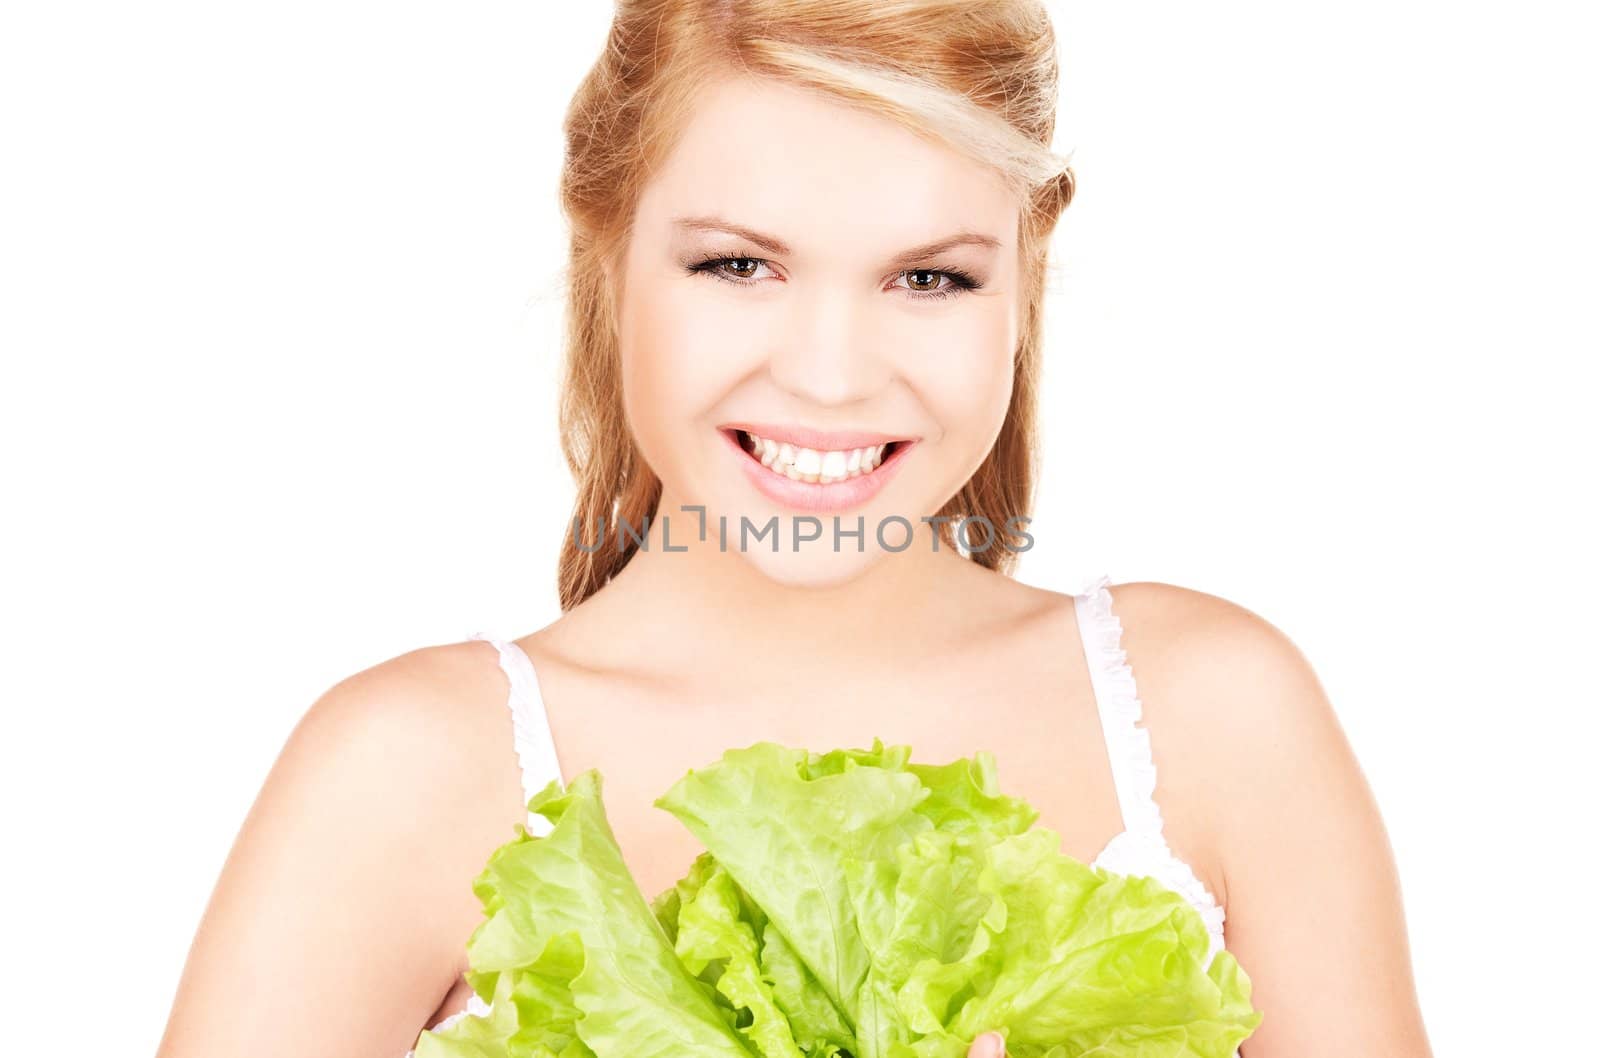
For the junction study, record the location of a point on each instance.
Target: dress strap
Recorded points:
(1133, 770)
(1142, 847)
(530, 726)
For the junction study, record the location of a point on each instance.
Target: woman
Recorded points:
(807, 263)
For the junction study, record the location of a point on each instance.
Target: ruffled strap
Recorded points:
(475, 1008)
(530, 726)
(1141, 849)
(536, 756)
(1133, 769)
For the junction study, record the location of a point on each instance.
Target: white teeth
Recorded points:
(810, 464)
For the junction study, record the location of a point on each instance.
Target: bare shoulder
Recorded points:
(1237, 714)
(424, 734)
(1214, 642)
(435, 706)
(1212, 665)
(384, 803)
(1264, 773)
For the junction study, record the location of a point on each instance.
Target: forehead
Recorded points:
(799, 164)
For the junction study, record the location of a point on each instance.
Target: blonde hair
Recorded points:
(980, 75)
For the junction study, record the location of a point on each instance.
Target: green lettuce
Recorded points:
(849, 904)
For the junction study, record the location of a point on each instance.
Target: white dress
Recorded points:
(1140, 849)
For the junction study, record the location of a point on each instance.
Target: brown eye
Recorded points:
(740, 271)
(923, 286)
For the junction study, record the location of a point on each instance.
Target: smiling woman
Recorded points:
(871, 279)
(806, 275)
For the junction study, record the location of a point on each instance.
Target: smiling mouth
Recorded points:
(819, 466)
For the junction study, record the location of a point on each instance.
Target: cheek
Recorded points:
(963, 373)
(677, 358)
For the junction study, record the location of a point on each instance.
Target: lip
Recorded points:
(821, 440)
(814, 495)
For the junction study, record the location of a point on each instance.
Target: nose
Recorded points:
(829, 352)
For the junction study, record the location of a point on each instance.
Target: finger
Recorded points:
(989, 1045)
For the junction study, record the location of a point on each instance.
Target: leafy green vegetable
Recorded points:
(849, 904)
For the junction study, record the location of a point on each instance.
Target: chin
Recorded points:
(816, 565)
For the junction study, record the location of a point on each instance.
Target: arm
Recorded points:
(1253, 763)
(341, 914)
(1313, 896)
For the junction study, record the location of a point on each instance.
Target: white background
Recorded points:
(280, 316)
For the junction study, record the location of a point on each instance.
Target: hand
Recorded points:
(989, 1045)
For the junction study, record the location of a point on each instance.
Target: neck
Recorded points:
(722, 602)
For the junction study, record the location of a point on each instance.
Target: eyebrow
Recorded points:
(774, 245)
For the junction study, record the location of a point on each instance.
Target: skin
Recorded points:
(338, 924)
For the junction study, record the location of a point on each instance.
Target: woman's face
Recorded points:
(832, 323)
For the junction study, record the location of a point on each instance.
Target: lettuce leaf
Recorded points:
(563, 910)
(849, 904)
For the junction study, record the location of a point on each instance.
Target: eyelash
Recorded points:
(960, 282)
